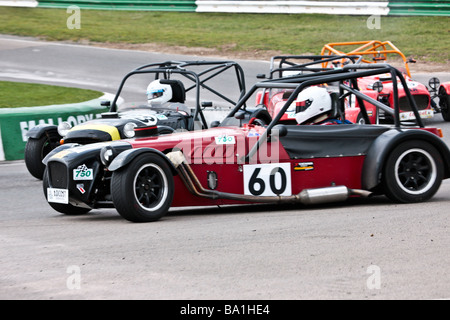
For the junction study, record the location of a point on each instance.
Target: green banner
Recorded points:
(419, 8)
(150, 5)
(15, 123)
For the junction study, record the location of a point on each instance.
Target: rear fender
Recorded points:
(351, 114)
(125, 157)
(38, 131)
(383, 146)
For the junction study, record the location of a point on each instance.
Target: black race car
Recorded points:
(182, 111)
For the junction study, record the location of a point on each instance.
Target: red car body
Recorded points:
(219, 159)
(368, 86)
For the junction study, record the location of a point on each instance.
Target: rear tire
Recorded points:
(413, 172)
(67, 209)
(143, 190)
(444, 103)
(36, 150)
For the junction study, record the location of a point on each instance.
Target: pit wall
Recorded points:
(392, 7)
(15, 122)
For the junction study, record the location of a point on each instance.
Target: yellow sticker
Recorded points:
(61, 154)
(304, 166)
(111, 130)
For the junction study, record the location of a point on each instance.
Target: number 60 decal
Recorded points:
(267, 179)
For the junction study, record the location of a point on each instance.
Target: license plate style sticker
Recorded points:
(272, 179)
(83, 173)
(58, 195)
(424, 114)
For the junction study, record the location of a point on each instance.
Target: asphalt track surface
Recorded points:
(362, 249)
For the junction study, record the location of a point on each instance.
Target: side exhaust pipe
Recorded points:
(307, 196)
(323, 195)
(330, 194)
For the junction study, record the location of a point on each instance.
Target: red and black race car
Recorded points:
(292, 66)
(246, 159)
(381, 86)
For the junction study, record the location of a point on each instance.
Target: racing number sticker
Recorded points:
(272, 179)
(83, 173)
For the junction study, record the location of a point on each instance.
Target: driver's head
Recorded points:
(311, 104)
(158, 92)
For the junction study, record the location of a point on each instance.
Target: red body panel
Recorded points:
(416, 89)
(207, 155)
(264, 101)
(351, 114)
(325, 172)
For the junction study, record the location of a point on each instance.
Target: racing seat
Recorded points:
(178, 90)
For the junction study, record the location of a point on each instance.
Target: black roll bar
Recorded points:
(350, 72)
(180, 67)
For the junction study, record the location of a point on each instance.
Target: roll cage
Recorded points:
(316, 63)
(280, 65)
(344, 80)
(196, 80)
(372, 51)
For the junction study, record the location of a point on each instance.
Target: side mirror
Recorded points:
(206, 104)
(240, 115)
(105, 103)
(411, 60)
(260, 76)
(214, 124)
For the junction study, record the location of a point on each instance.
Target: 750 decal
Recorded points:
(83, 173)
(272, 179)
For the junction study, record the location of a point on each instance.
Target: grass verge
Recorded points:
(17, 94)
(424, 38)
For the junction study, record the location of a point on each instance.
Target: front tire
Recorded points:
(360, 119)
(413, 172)
(36, 150)
(67, 209)
(143, 190)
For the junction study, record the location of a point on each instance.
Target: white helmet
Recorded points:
(311, 103)
(158, 92)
